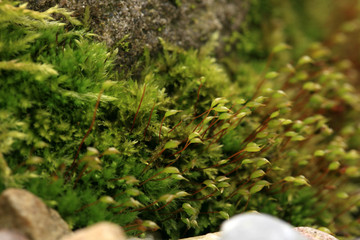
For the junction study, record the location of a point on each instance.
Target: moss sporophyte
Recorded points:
(187, 143)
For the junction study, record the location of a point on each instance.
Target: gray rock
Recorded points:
(186, 23)
(99, 231)
(23, 212)
(314, 234)
(255, 226)
(11, 235)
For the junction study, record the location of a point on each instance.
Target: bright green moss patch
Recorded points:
(185, 144)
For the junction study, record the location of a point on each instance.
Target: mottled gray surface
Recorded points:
(188, 24)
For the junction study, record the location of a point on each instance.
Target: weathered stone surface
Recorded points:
(314, 234)
(11, 235)
(23, 212)
(255, 226)
(99, 231)
(186, 23)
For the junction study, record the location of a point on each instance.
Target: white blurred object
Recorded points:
(256, 226)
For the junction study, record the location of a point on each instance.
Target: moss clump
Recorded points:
(183, 146)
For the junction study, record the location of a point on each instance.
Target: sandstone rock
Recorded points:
(255, 226)
(99, 231)
(314, 234)
(139, 23)
(23, 212)
(11, 235)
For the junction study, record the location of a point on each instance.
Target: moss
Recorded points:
(183, 144)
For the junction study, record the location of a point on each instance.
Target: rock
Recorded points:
(25, 213)
(11, 235)
(99, 231)
(255, 226)
(132, 25)
(314, 234)
(209, 236)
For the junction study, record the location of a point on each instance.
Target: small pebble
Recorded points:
(255, 226)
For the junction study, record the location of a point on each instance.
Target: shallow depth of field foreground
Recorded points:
(169, 117)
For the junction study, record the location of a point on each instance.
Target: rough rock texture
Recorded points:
(140, 23)
(25, 213)
(11, 235)
(99, 231)
(314, 234)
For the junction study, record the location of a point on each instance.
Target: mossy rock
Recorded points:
(135, 25)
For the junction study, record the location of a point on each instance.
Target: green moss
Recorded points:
(181, 145)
